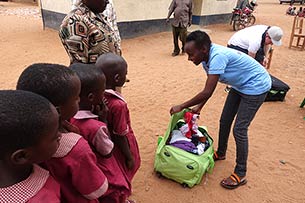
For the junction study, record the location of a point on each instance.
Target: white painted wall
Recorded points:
(59, 6)
(212, 7)
(132, 10)
(136, 10)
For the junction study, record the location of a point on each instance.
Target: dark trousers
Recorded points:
(244, 107)
(180, 32)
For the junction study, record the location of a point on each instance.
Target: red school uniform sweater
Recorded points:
(38, 187)
(74, 167)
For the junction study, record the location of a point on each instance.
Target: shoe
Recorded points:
(227, 89)
(130, 201)
(216, 157)
(233, 182)
(175, 53)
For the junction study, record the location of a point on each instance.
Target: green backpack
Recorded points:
(179, 165)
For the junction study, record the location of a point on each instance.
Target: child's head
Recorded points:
(57, 83)
(93, 83)
(114, 68)
(29, 128)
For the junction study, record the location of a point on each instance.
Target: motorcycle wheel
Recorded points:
(251, 20)
(231, 19)
(237, 25)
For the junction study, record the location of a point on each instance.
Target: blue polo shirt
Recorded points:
(237, 69)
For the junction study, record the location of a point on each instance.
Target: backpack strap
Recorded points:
(264, 38)
(260, 54)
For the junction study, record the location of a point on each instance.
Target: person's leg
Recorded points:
(182, 36)
(248, 107)
(228, 113)
(175, 38)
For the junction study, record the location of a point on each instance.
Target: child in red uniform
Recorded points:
(93, 83)
(74, 164)
(126, 148)
(29, 135)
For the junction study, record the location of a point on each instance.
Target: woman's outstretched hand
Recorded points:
(196, 109)
(175, 109)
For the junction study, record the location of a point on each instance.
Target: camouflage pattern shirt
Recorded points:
(86, 35)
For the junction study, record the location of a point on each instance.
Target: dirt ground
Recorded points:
(159, 81)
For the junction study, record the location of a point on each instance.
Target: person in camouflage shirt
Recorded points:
(85, 33)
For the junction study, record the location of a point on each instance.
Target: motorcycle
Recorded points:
(242, 18)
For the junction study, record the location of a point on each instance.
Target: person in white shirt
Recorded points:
(256, 41)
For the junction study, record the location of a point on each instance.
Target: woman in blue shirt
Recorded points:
(250, 84)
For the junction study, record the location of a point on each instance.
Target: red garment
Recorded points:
(188, 118)
(96, 133)
(74, 167)
(119, 124)
(49, 193)
(38, 187)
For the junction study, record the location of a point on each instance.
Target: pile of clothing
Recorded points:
(187, 136)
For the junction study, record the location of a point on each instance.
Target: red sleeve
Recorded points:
(87, 178)
(119, 119)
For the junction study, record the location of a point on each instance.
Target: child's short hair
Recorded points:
(109, 63)
(89, 76)
(24, 117)
(53, 81)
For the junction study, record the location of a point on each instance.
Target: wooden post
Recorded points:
(269, 58)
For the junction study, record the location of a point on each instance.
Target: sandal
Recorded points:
(130, 201)
(232, 182)
(216, 157)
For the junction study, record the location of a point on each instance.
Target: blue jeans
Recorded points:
(244, 107)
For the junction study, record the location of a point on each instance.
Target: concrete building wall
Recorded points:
(139, 17)
(208, 12)
(129, 10)
(214, 7)
(25, 1)
(59, 6)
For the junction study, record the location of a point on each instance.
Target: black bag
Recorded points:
(278, 90)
